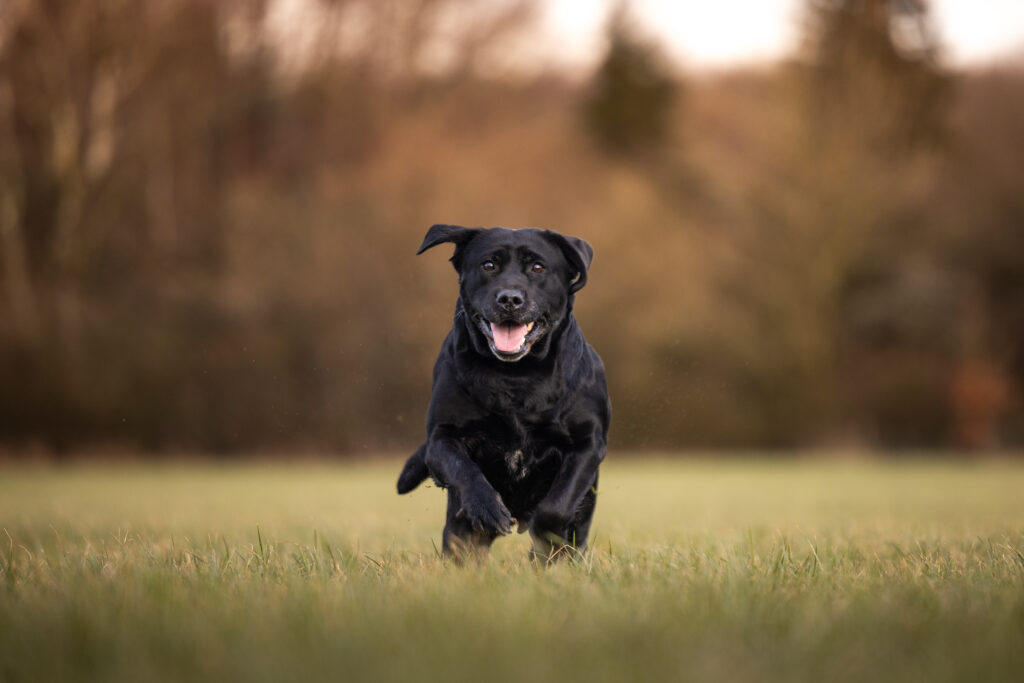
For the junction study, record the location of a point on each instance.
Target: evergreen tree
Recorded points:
(631, 96)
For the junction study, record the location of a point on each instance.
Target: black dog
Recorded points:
(518, 419)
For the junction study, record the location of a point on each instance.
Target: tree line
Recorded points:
(208, 212)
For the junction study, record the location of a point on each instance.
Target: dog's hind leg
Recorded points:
(460, 541)
(414, 471)
(580, 527)
(549, 547)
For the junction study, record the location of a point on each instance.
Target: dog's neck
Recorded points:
(517, 381)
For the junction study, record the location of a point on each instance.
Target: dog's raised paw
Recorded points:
(486, 512)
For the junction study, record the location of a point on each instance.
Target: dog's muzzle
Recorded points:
(511, 340)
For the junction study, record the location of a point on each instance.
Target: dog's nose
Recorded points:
(510, 299)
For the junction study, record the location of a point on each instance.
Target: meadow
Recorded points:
(738, 569)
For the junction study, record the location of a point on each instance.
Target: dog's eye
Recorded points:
(537, 268)
(488, 266)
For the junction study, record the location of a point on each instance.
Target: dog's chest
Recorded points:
(526, 443)
(517, 464)
(537, 449)
(514, 452)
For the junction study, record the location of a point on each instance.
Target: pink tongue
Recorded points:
(508, 338)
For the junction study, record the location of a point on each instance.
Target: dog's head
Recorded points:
(516, 286)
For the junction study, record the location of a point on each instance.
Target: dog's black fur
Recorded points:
(514, 435)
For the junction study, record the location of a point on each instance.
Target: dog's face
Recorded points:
(516, 285)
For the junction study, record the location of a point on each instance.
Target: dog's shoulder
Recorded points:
(588, 403)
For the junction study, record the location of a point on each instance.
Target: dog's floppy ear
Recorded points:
(579, 254)
(457, 234)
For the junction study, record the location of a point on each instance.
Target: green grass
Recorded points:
(700, 570)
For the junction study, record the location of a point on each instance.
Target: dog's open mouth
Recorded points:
(510, 340)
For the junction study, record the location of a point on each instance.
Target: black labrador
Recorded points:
(518, 418)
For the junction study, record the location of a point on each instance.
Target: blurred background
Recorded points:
(808, 215)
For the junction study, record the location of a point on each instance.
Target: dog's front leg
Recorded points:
(476, 513)
(562, 518)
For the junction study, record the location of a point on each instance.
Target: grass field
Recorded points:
(700, 570)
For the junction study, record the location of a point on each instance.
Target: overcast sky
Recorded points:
(714, 33)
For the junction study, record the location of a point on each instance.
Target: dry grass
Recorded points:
(736, 570)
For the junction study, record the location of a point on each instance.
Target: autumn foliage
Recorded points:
(207, 225)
